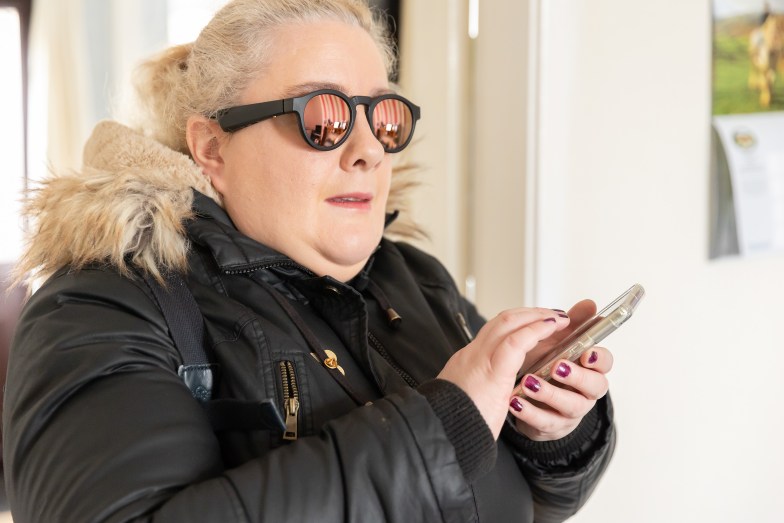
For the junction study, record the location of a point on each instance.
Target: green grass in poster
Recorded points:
(731, 70)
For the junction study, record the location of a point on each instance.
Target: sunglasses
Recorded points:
(326, 117)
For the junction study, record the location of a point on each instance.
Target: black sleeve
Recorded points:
(99, 428)
(475, 447)
(563, 473)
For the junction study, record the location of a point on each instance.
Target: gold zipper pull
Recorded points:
(292, 407)
(331, 361)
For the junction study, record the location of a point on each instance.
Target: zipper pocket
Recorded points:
(290, 398)
(464, 327)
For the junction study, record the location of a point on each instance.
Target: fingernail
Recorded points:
(550, 320)
(532, 384)
(558, 310)
(516, 404)
(563, 370)
(593, 357)
(563, 315)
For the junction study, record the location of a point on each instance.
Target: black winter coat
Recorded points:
(99, 427)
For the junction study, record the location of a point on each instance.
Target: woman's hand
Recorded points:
(486, 368)
(551, 410)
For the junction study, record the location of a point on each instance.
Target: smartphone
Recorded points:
(589, 333)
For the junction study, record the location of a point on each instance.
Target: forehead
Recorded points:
(320, 53)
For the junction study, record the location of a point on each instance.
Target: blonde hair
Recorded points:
(211, 73)
(229, 53)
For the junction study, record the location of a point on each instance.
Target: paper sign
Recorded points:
(753, 145)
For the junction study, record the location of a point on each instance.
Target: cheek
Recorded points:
(288, 189)
(385, 181)
(258, 164)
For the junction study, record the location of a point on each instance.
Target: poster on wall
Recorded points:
(747, 186)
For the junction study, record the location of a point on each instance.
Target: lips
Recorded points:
(351, 200)
(348, 199)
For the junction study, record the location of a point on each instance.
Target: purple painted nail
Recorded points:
(516, 404)
(563, 370)
(563, 315)
(549, 319)
(593, 357)
(532, 384)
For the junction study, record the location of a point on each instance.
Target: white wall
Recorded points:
(472, 144)
(624, 165)
(619, 168)
(433, 73)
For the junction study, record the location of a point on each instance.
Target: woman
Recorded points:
(262, 175)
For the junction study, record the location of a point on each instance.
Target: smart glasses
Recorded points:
(326, 117)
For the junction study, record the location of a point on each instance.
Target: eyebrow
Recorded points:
(309, 87)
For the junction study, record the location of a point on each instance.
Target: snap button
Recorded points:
(332, 288)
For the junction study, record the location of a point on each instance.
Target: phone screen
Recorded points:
(589, 333)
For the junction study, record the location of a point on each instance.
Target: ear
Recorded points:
(204, 137)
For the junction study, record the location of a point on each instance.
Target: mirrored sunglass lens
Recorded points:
(326, 119)
(392, 122)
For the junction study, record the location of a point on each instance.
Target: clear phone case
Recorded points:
(589, 333)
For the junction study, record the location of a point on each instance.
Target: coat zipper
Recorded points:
(253, 268)
(464, 326)
(384, 354)
(290, 398)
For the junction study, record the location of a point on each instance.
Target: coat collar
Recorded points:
(233, 252)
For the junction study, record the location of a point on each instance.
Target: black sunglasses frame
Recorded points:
(233, 119)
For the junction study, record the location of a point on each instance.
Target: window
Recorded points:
(12, 130)
(187, 17)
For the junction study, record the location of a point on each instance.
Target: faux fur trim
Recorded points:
(127, 205)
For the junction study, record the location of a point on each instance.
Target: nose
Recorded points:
(362, 150)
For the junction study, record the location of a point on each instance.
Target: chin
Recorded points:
(351, 253)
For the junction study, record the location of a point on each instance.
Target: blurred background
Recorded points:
(564, 153)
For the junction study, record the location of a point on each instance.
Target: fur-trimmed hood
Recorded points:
(128, 204)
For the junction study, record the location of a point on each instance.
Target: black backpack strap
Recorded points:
(186, 326)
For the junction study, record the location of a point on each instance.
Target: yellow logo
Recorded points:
(744, 139)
